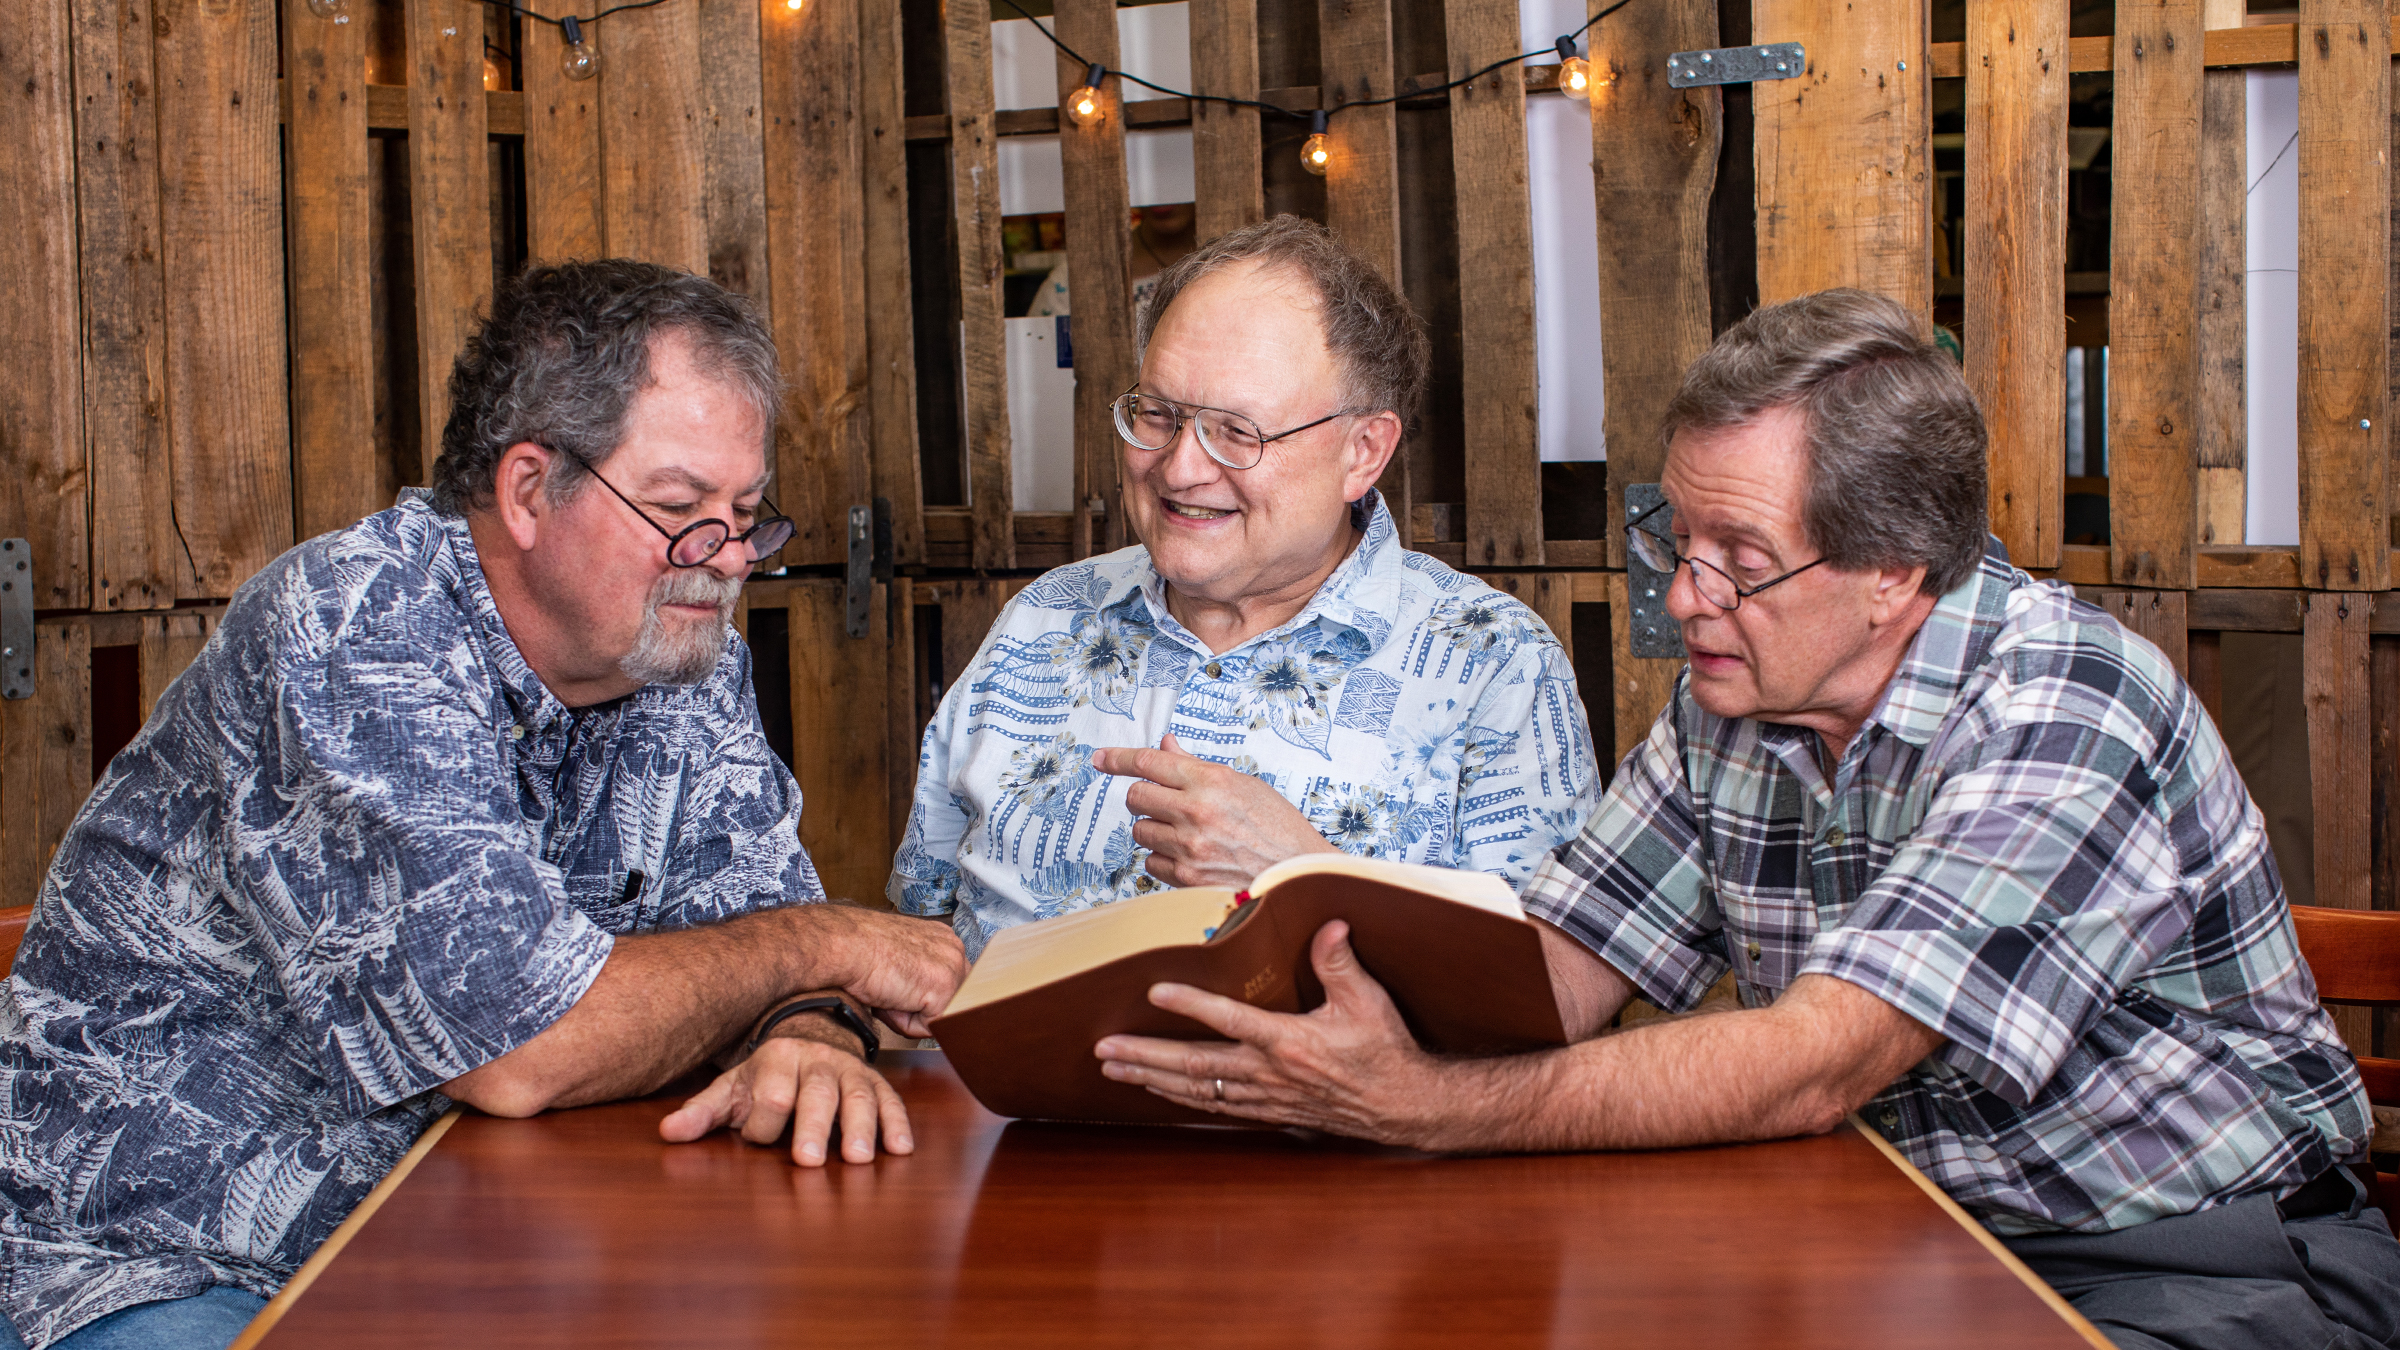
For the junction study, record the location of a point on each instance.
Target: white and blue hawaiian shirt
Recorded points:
(1410, 711)
(359, 850)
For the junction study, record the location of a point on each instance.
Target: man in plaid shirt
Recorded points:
(1975, 856)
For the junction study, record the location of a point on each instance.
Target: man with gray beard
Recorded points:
(468, 803)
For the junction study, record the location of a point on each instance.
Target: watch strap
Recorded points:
(843, 1014)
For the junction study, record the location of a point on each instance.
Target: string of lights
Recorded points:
(1088, 103)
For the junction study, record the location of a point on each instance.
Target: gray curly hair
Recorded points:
(1895, 442)
(561, 355)
(1376, 339)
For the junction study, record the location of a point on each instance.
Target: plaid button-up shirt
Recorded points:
(2036, 846)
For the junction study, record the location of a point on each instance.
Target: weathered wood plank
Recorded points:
(732, 146)
(448, 198)
(2159, 616)
(168, 643)
(2154, 363)
(562, 152)
(832, 264)
(1643, 684)
(651, 178)
(1654, 159)
(1843, 156)
(1099, 248)
(220, 215)
(784, 177)
(336, 476)
(2207, 674)
(975, 197)
(2222, 486)
(45, 757)
(901, 731)
(2345, 295)
(136, 561)
(1228, 174)
(2335, 687)
(46, 495)
(1495, 281)
(898, 470)
(1362, 179)
(2016, 267)
(839, 685)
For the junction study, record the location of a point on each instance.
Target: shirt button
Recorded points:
(1756, 951)
(1215, 671)
(516, 733)
(1890, 1117)
(1834, 837)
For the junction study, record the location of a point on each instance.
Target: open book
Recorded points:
(1454, 950)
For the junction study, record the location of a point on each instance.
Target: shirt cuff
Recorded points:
(1998, 1031)
(1671, 969)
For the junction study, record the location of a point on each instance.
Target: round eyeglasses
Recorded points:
(1148, 422)
(1658, 553)
(702, 540)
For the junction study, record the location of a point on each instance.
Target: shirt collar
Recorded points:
(1362, 594)
(1948, 649)
(531, 703)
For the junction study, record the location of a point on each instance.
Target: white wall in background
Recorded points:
(1041, 416)
(1154, 42)
(1566, 249)
(2273, 356)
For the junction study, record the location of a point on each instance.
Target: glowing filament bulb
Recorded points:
(1315, 152)
(794, 5)
(1575, 78)
(1087, 105)
(491, 73)
(580, 60)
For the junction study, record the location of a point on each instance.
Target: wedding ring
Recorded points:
(1220, 1089)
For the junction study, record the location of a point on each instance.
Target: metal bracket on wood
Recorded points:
(1736, 65)
(16, 619)
(859, 578)
(1650, 630)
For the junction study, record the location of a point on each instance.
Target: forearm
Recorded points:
(1797, 1067)
(660, 1007)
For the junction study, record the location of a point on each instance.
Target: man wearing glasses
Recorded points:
(468, 802)
(1269, 672)
(1974, 854)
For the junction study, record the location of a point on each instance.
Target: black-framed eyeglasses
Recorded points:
(1149, 422)
(702, 540)
(1716, 586)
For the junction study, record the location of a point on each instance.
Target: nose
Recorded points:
(1684, 600)
(1187, 462)
(731, 562)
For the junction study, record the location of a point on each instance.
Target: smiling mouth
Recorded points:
(1194, 512)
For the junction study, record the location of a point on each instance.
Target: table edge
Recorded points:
(2056, 1302)
(324, 1255)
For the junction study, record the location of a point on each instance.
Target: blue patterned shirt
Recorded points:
(2036, 846)
(358, 851)
(1410, 711)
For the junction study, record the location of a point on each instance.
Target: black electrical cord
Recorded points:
(514, 8)
(1078, 59)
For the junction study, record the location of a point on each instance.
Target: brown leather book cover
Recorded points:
(1465, 978)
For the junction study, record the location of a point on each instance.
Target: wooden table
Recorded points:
(580, 1228)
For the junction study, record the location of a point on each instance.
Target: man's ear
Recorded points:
(1372, 441)
(517, 491)
(1896, 588)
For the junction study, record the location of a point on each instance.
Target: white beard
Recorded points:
(681, 652)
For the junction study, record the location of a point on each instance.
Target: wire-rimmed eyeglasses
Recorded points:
(1716, 586)
(1148, 422)
(701, 540)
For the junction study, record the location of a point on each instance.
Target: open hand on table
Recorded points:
(1350, 1067)
(1206, 824)
(807, 1075)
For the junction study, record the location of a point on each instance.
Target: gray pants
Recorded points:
(2238, 1277)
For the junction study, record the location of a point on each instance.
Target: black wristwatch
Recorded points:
(842, 1012)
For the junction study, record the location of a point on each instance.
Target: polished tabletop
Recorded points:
(581, 1228)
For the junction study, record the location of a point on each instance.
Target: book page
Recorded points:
(1032, 954)
(1479, 889)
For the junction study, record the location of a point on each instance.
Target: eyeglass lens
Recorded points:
(1153, 424)
(1659, 555)
(702, 542)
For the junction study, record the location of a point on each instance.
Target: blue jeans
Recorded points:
(207, 1321)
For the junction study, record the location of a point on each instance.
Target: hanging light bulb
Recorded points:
(580, 60)
(794, 5)
(1088, 105)
(491, 74)
(1574, 73)
(1314, 154)
(336, 10)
